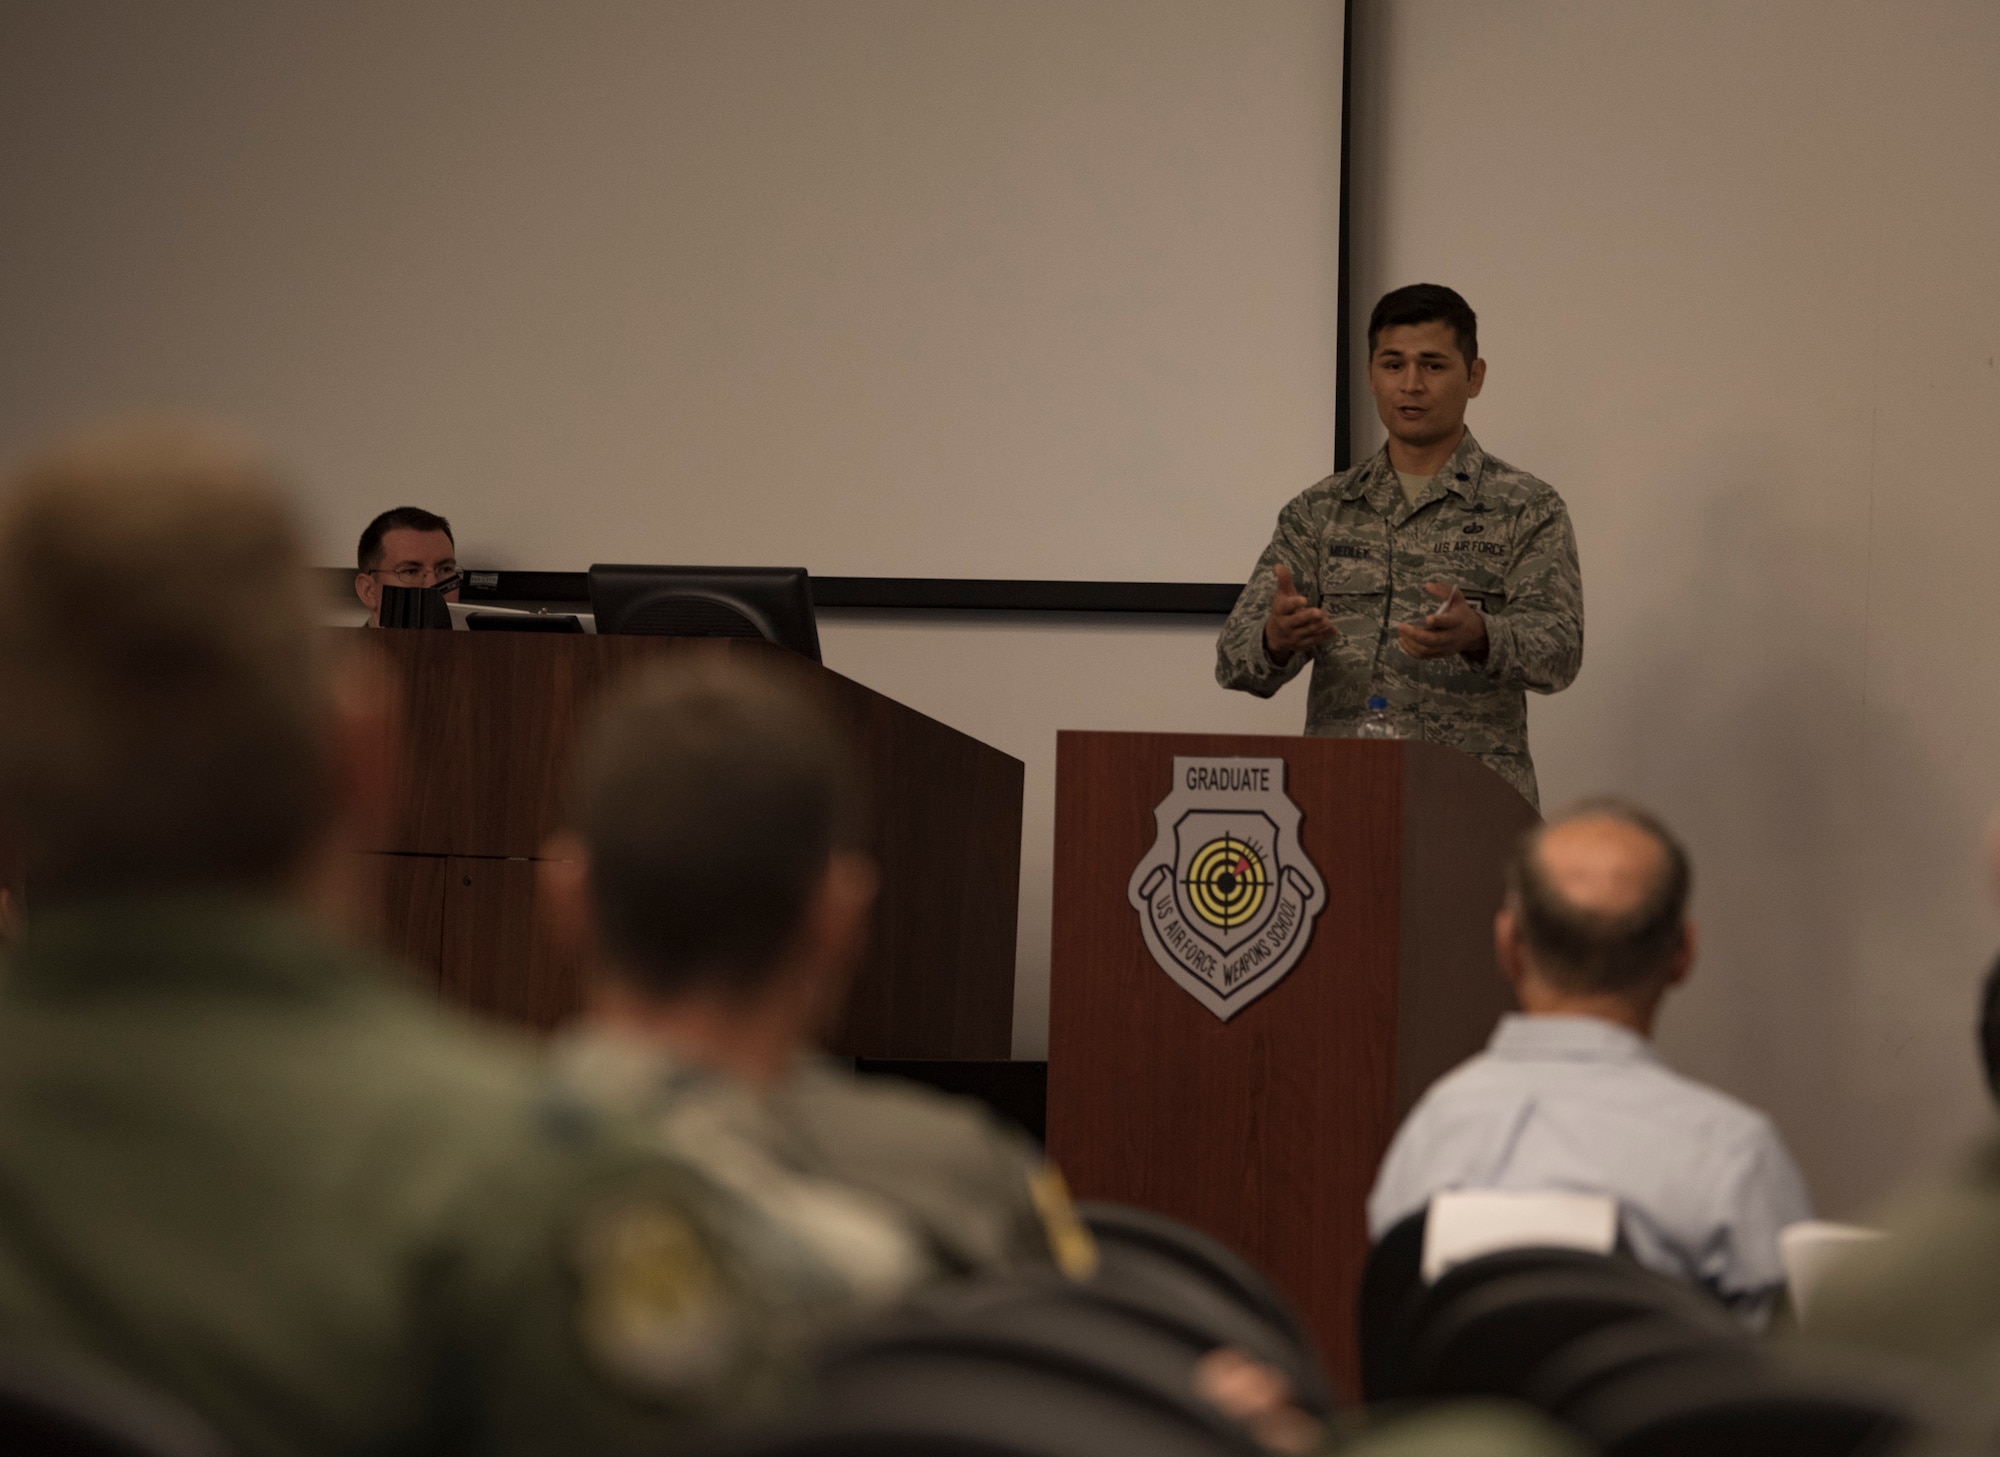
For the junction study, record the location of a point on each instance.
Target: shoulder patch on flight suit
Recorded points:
(653, 1311)
(1070, 1240)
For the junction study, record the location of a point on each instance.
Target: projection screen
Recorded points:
(987, 288)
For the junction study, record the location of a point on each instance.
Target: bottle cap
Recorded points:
(1378, 703)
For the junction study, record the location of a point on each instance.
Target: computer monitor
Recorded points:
(774, 603)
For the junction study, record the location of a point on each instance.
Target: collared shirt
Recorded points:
(1362, 552)
(1703, 1182)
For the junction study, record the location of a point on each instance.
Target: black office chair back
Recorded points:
(1493, 1337)
(1150, 1287)
(1011, 1366)
(61, 1406)
(1392, 1281)
(960, 1403)
(1738, 1403)
(1119, 1228)
(1593, 1362)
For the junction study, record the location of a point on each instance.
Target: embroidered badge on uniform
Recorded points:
(1226, 897)
(651, 1309)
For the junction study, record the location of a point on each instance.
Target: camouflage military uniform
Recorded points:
(1361, 553)
(252, 1169)
(888, 1185)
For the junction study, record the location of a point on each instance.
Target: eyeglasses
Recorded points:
(446, 571)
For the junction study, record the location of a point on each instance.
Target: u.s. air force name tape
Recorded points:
(1226, 897)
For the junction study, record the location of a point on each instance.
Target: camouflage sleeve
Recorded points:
(1536, 640)
(1240, 659)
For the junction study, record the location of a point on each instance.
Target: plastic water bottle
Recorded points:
(1376, 723)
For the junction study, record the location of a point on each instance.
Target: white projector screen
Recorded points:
(1000, 288)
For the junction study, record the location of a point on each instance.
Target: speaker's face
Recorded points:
(1421, 382)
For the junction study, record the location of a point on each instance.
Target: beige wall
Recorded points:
(1738, 273)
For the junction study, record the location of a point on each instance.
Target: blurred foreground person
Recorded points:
(239, 1160)
(1570, 1094)
(717, 887)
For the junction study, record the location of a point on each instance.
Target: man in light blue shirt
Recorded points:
(1570, 1093)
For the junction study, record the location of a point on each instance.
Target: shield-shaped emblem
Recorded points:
(1223, 862)
(1226, 897)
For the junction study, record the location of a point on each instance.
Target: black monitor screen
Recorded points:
(774, 603)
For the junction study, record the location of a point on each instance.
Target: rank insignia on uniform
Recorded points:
(1226, 897)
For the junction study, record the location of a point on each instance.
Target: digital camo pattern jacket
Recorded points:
(1362, 554)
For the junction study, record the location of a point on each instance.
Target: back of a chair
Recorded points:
(1166, 1269)
(1594, 1361)
(1011, 1366)
(1494, 1336)
(955, 1402)
(1391, 1283)
(56, 1406)
(1119, 1226)
(1725, 1403)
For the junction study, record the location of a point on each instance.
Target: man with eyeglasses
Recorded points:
(405, 547)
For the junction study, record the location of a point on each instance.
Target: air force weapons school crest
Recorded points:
(1226, 896)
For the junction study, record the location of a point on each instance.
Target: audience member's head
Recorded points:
(716, 860)
(1595, 917)
(166, 717)
(404, 547)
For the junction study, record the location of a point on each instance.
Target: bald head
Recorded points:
(1600, 897)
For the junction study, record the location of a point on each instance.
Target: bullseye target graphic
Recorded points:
(1226, 882)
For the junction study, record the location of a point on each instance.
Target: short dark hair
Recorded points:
(368, 556)
(1588, 951)
(1426, 303)
(166, 733)
(712, 795)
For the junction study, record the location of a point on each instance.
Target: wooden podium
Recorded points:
(488, 723)
(1266, 1129)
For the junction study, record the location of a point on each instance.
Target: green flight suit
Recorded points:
(266, 1175)
(1361, 552)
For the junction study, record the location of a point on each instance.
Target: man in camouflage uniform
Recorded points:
(240, 1160)
(1432, 575)
(717, 888)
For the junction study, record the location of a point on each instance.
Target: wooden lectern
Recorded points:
(1266, 1129)
(488, 723)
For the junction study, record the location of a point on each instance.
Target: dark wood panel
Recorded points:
(947, 830)
(489, 721)
(498, 956)
(405, 895)
(1265, 1130)
(1460, 819)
